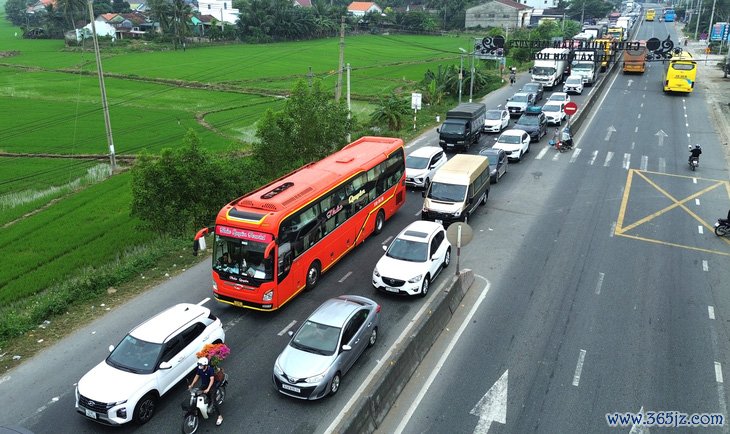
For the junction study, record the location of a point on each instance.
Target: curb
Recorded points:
(373, 405)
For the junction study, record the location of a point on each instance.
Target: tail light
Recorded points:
(377, 308)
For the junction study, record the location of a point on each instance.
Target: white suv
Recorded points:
(146, 364)
(421, 164)
(413, 260)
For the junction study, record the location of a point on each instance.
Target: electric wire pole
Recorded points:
(338, 89)
(104, 104)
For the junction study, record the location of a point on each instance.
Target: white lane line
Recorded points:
(644, 162)
(697, 202)
(599, 283)
(627, 161)
(700, 230)
(609, 156)
(203, 301)
(575, 154)
(542, 153)
(417, 213)
(286, 329)
(705, 265)
(632, 145)
(441, 362)
(662, 165)
(636, 130)
(718, 372)
(349, 273)
(613, 229)
(641, 105)
(556, 156)
(593, 158)
(4, 379)
(694, 180)
(579, 368)
(711, 312)
(387, 240)
(639, 117)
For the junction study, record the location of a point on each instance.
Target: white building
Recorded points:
(222, 10)
(102, 29)
(539, 4)
(359, 9)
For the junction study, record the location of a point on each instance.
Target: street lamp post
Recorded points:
(461, 69)
(471, 69)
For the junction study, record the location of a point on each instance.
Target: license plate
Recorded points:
(439, 221)
(90, 413)
(292, 388)
(238, 303)
(391, 289)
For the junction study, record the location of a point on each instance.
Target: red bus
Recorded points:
(276, 241)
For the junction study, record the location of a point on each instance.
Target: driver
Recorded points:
(206, 374)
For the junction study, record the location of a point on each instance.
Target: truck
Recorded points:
(585, 64)
(616, 33)
(550, 66)
(462, 127)
(635, 60)
(595, 31)
(604, 49)
(625, 23)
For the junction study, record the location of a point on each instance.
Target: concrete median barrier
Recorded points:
(394, 372)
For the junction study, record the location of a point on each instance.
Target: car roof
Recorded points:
(336, 311)
(160, 327)
(521, 93)
(419, 230)
(426, 151)
(496, 110)
(514, 132)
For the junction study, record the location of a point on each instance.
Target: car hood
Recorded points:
(104, 383)
(395, 268)
(528, 128)
(300, 364)
(507, 147)
(492, 122)
(516, 104)
(415, 173)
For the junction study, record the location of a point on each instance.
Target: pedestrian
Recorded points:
(686, 38)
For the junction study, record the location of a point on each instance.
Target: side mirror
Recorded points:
(346, 348)
(111, 348)
(290, 333)
(165, 365)
(508, 99)
(438, 130)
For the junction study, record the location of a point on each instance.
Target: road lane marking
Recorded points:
(442, 360)
(579, 368)
(700, 229)
(662, 165)
(641, 105)
(613, 229)
(718, 372)
(694, 180)
(4, 379)
(203, 301)
(349, 273)
(632, 145)
(697, 202)
(609, 156)
(639, 117)
(556, 156)
(593, 158)
(417, 213)
(636, 130)
(711, 312)
(575, 154)
(287, 328)
(387, 240)
(705, 266)
(644, 162)
(627, 161)
(542, 153)
(599, 283)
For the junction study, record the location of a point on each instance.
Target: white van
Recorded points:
(457, 188)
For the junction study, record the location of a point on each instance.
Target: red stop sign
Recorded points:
(570, 108)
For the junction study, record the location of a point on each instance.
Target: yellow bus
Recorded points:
(681, 73)
(650, 14)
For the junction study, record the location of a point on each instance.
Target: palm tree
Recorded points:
(180, 22)
(393, 109)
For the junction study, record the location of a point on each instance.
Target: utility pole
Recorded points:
(349, 104)
(712, 17)
(104, 105)
(697, 24)
(582, 12)
(338, 89)
(461, 72)
(471, 81)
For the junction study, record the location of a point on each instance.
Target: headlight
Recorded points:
(268, 295)
(315, 379)
(277, 369)
(119, 403)
(375, 272)
(215, 286)
(418, 179)
(416, 279)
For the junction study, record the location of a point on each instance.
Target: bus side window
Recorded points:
(285, 261)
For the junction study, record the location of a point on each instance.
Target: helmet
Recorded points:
(203, 361)
(697, 146)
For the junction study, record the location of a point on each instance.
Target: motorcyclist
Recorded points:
(512, 75)
(206, 374)
(566, 139)
(694, 153)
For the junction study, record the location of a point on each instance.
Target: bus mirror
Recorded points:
(269, 248)
(199, 241)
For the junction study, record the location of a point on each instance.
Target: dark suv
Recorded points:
(533, 122)
(533, 88)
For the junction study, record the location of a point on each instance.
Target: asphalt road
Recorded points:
(607, 297)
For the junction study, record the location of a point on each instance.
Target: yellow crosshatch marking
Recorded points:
(621, 229)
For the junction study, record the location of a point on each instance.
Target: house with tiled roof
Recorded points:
(303, 3)
(498, 13)
(40, 6)
(359, 9)
(222, 10)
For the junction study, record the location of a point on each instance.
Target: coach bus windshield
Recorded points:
(242, 260)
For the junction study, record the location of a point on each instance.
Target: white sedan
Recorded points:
(559, 97)
(515, 143)
(496, 120)
(573, 84)
(422, 163)
(413, 259)
(554, 112)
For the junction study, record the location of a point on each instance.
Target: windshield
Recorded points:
(583, 66)
(551, 108)
(530, 88)
(451, 128)
(491, 115)
(509, 139)
(317, 338)
(574, 80)
(493, 156)
(519, 98)
(543, 70)
(135, 355)
(529, 120)
(447, 192)
(558, 97)
(407, 250)
(234, 257)
(416, 162)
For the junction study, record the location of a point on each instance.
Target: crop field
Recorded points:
(89, 228)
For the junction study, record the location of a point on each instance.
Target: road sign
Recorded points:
(570, 108)
(416, 101)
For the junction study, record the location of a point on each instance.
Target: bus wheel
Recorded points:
(379, 222)
(313, 275)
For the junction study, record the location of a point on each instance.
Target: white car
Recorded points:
(422, 163)
(413, 260)
(515, 143)
(559, 97)
(554, 112)
(496, 120)
(573, 84)
(146, 364)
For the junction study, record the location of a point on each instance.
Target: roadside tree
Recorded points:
(392, 110)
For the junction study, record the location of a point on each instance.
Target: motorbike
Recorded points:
(722, 227)
(198, 406)
(693, 163)
(563, 142)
